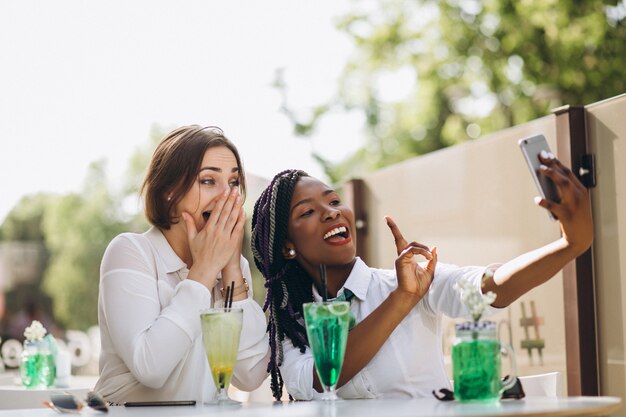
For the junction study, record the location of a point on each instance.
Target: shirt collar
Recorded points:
(171, 261)
(358, 281)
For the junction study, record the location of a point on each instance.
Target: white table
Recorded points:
(425, 407)
(13, 396)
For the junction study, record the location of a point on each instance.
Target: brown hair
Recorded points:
(174, 168)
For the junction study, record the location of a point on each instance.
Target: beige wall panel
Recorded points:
(474, 202)
(606, 128)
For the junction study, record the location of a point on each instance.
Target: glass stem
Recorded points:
(330, 394)
(222, 394)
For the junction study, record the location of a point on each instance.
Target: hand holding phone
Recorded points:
(531, 148)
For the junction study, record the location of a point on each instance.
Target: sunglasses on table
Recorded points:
(68, 404)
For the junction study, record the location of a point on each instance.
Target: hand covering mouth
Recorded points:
(206, 215)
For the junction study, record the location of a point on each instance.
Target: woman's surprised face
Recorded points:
(321, 227)
(218, 172)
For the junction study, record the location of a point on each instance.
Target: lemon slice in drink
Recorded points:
(339, 309)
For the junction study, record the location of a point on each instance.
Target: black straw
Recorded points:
(226, 297)
(323, 278)
(232, 291)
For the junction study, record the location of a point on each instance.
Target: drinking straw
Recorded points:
(232, 291)
(323, 278)
(226, 297)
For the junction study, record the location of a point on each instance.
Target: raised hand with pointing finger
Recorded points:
(412, 278)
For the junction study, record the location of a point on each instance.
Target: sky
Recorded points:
(82, 81)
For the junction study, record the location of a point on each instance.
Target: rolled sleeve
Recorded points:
(442, 298)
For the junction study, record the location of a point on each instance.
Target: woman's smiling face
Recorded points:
(218, 172)
(321, 227)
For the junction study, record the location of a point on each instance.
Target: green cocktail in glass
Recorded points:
(221, 329)
(327, 330)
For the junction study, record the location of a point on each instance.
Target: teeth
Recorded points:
(335, 231)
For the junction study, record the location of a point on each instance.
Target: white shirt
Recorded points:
(410, 363)
(149, 320)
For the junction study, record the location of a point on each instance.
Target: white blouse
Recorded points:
(149, 320)
(410, 363)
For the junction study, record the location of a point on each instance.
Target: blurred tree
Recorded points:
(25, 244)
(23, 223)
(141, 158)
(427, 74)
(131, 202)
(74, 230)
(78, 227)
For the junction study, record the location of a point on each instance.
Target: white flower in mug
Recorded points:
(473, 298)
(35, 331)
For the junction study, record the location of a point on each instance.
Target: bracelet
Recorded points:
(239, 289)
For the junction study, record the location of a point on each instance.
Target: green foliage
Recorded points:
(23, 223)
(78, 227)
(74, 230)
(141, 158)
(136, 221)
(428, 74)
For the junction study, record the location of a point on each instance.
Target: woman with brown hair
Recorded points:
(153, 285)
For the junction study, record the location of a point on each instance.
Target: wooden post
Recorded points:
(578, 278)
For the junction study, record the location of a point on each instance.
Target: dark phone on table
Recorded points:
(531, 148)
(157, 403)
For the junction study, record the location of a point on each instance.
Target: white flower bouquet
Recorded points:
(35, 331)
(473, 298)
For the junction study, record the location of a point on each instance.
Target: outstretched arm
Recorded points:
(520, 275)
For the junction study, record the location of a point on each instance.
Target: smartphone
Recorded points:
(157, 403)
(531, 148)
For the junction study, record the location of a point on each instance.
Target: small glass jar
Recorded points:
(476, 362)
(37, 368)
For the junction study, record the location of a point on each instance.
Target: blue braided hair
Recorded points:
(288, 285)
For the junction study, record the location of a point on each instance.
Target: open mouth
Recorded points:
(206, 215)
(338, 235)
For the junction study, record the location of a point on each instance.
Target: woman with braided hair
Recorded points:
(395, 348)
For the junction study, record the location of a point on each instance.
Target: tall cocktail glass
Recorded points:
(221, 329)
(327, 326)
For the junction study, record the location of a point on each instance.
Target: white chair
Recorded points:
(543, 385)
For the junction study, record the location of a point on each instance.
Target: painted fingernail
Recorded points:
(551, 155)
(543, 167)
(544, 154)
(537, 199)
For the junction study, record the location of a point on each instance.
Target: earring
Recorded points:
(169, 198)
(292, 252)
